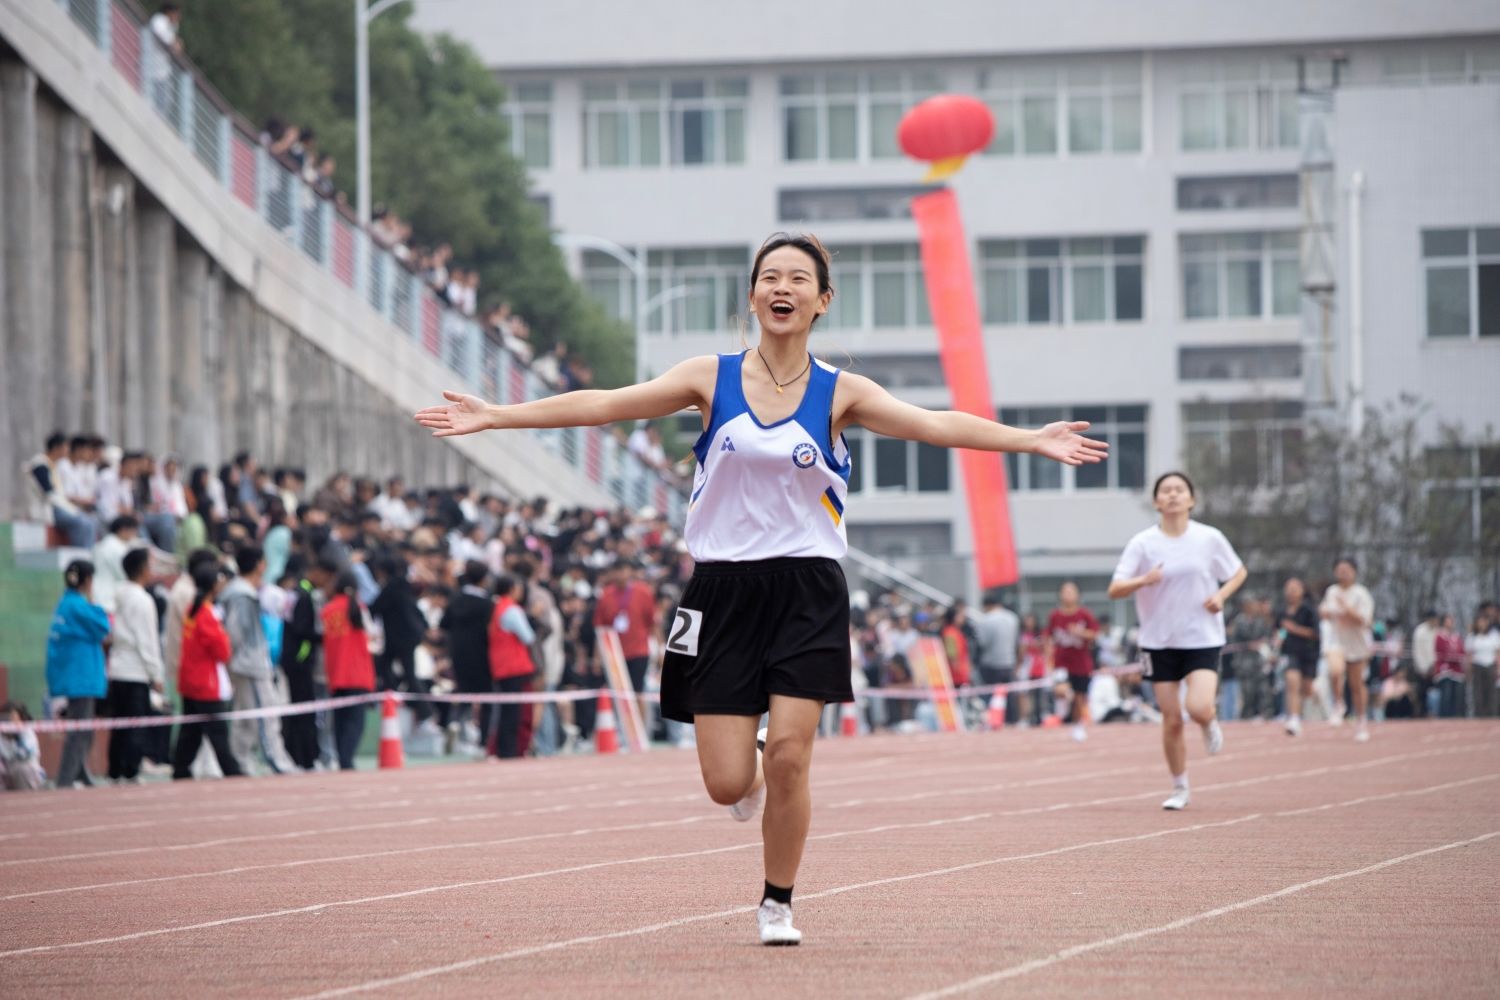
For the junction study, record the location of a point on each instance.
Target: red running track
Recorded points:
(977, 865)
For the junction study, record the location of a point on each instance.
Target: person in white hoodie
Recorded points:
(250, 670)
(109, 559)
(135, 665)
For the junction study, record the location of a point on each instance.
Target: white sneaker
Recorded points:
(1336, 717)
(1213, 738)
(1362, 735)
(746, 809)
(1080, 734)
(775, 921)
(1293, 726)
(1177, 800)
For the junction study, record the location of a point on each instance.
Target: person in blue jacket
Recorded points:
(75, 665)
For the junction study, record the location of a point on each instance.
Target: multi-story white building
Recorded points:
(1134, 223)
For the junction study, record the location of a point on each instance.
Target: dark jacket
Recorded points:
(304, 632)
(396, 607)
(467, 623)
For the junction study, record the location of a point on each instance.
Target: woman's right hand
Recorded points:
(463, 414)
(1153, 576)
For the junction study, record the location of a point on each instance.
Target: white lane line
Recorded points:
(566, 807)
(839, 890)
(316, 907)
(695, 796)
(427, 890)
(1083, 949)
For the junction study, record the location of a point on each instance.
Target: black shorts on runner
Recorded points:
(1307, 666)
(744, 631)
(1164, 666)
(1080, 683)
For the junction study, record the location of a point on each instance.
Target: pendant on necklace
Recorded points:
(780, 390)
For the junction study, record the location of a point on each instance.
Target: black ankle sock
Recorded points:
(780, 895)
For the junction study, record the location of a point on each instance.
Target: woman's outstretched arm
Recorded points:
(684, 385)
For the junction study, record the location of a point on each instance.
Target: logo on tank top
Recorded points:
(804, 455)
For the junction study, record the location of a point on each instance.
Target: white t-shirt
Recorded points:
(1193, 565)
(1483, 648)
(1352, 640)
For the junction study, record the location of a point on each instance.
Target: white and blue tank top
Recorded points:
(768, 491)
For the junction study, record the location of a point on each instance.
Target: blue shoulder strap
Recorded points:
(728, 402)
(816, 410)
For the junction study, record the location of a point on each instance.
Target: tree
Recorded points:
(439, 150)
(1398, 501)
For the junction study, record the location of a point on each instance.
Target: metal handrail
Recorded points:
(210, 130)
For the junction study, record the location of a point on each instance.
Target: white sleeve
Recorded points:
(1224, 560)
(1131, 559)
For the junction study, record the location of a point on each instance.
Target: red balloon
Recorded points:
(946, 126)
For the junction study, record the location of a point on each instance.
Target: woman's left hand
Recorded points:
(1214, 604)
(1062, 442)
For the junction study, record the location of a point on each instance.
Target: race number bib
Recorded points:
(682, 638)
(1145, 664)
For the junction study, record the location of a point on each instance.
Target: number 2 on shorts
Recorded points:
(684, 637)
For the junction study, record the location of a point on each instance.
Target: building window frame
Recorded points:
(1125, 426)
(1471, 255)
(1257, 97)
(1276, 260)
(866, 104)
(1217, 434)
(1015, 274)
(648, 118)
(528, 115)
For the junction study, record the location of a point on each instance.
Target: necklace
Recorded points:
(781, 386)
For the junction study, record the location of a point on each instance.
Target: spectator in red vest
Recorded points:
(511, 666)
(348, 663)
(628, 606)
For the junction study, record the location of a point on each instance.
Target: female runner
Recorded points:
(764, 622)
(1181, 573)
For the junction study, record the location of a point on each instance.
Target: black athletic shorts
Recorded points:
(1163, 666)
(744, 631)
(1080, 683)
(1307, 666)
(636, 668)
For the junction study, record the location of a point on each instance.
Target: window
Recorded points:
(1240, 275)
(1238, 193)
(880, 286)
(902, 371)
(715, 283)
(1124, 427)
(841, 204)
(651, 122)
(1239, 361)
(1042, 110)
(1228, 105)
(528, 112)
(894, 542)
(1463, 282)
(1463, 486)
(896, 465)
(1079, 280)
(841, 117)
(1244, 444)
(609, 284)
(1418, 66)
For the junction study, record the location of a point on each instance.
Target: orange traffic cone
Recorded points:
(606, 740)
(997, 710)
(390, 734)
(849, 719)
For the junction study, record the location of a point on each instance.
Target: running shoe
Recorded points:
(1080, 734)
(1293, 726)
(746, 809)
(1177, 800)
(1213, 738)
(775, 921)
(1362, 734)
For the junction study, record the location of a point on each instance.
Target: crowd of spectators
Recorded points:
(349, 587)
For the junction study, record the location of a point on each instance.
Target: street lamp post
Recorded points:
(362, 17)
(637, 267)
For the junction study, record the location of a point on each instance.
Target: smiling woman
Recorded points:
(764, 623)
